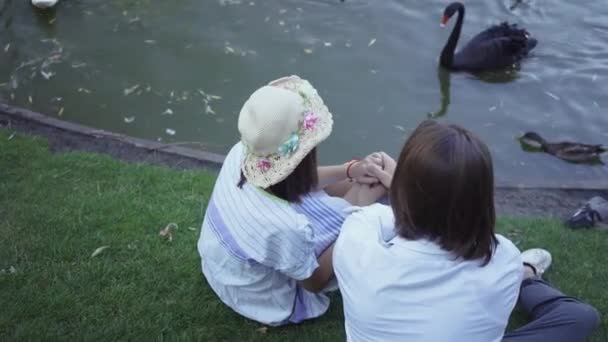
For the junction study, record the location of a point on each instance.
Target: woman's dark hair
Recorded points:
(300, 182)
(443, 190)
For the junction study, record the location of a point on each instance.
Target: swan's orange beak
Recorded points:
(444, 20)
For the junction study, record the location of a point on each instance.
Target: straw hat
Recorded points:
(280, 124)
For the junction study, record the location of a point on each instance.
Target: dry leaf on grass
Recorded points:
(99, 250)
(166, 232)
(262, 330)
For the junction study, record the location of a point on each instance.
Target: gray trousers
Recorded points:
(555, 317)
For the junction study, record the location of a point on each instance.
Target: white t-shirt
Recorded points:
(254, 247)
(411, 290)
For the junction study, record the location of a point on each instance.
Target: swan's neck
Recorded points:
(447, 55)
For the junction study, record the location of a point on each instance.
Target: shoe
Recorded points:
(594, 212)
(538, 258)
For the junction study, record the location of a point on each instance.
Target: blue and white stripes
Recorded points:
(254, 247)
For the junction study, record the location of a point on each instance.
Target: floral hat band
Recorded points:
(279, 125)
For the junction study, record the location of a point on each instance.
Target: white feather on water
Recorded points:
(553, 96)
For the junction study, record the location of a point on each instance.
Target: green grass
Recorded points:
(56, 209)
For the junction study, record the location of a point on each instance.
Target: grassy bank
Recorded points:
(56, 210)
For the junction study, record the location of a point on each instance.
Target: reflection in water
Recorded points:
(5, 17)
(443, 76)
(515, 4)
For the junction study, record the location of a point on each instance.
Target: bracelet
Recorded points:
(350, 164)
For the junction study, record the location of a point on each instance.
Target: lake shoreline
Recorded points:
(63, 136)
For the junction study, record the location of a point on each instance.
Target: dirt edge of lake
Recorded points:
(511, 199)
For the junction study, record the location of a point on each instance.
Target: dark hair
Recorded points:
(443, 190)
(300, 182)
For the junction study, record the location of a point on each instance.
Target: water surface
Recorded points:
(179, 71)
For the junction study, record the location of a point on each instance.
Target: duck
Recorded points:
(497, 48)
(44, 3)
(569, 151)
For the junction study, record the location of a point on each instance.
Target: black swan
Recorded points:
(498, 47)
(568, 151)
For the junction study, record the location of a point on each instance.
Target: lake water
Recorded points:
(179, 71)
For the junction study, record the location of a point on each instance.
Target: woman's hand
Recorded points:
(362, 170)
(388, 163)
(385, 173)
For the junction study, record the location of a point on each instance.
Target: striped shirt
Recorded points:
(254, 247)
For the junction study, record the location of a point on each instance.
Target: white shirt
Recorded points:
(254, 247)
(411, 290)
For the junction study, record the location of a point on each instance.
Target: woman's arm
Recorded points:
(322, 275)
(359, 170)
(331, 174)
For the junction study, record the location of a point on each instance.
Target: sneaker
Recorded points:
(538, 258)
(594, 212)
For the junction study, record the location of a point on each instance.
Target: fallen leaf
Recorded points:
(328, 44)
(372, 42)
(60, 111)
(84, 90)
(52, 21)
(166, 232)
(167, 111)
(78, 65)
(99, 250)
(8, 46)
(229, 50)
(282, 11)
(262, 330)
(130, 90)
(170, 131)
(30, 100)
(129, 119)
(192, 229)
(308, 51)
(11, 136)
(281, 23)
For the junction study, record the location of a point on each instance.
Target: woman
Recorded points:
(267, 236)
(430, 267)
